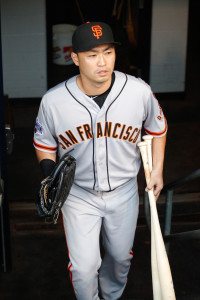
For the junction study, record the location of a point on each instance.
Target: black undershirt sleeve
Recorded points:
(47, 165)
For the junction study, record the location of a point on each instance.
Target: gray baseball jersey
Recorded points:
(103, 140)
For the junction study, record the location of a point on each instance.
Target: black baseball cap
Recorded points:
(90, 35)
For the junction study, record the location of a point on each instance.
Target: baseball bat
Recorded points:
(161, 273)
(154, 263)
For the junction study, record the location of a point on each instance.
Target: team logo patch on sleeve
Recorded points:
(160, 116)
(38, 127)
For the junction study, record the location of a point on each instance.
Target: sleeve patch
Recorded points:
(38, 127)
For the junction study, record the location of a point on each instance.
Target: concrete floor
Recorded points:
(39, 252)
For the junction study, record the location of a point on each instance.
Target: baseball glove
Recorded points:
(55, 189)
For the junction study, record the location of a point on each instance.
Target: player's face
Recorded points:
(97, 64)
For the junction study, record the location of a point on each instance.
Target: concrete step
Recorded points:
(186, 215)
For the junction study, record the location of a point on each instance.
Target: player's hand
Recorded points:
(156, 183)
(44, 179)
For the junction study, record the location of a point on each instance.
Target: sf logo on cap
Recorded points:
(97, 31)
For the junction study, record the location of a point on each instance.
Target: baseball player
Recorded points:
(98, 115)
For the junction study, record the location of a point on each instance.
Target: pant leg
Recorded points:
(82, 223)
(119, 226)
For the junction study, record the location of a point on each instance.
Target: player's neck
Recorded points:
(93, 88)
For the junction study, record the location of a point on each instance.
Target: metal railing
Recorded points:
(169, 191)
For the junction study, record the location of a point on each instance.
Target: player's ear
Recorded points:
(74, 57)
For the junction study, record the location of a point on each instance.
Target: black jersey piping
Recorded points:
(108, 178)
(91, 128)
(117, 187)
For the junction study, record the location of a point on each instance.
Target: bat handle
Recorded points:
(148, 139)
(143, 150)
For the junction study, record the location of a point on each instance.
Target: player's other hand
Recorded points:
(156, 183)
(44, 179)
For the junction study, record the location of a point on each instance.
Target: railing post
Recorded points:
(168, 216)
(147, 210)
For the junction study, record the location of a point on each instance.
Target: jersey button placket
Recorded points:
(101, 161)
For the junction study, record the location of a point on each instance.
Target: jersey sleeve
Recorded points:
(155, 122)
(44, 133)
